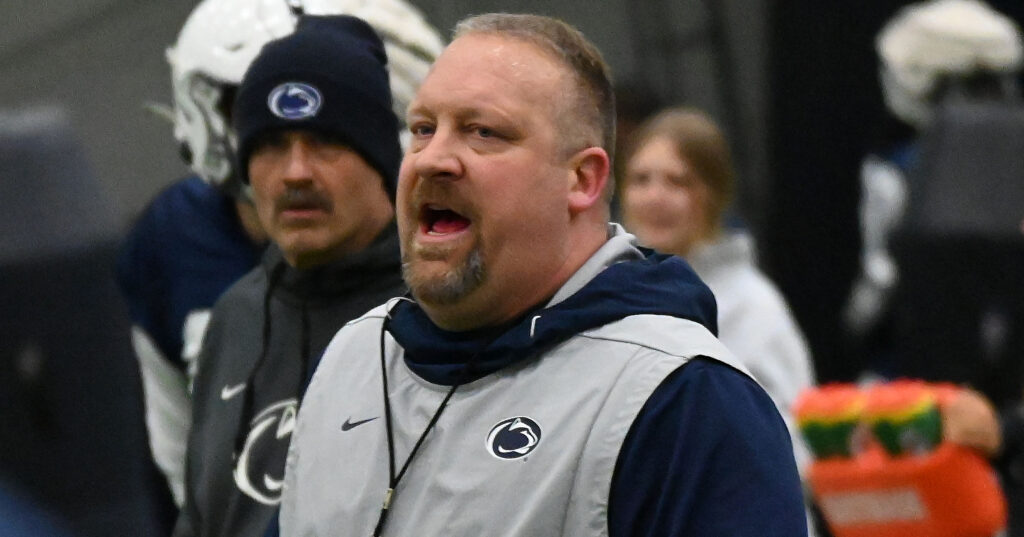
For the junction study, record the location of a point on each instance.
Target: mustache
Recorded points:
(302, 198)
(439, 192)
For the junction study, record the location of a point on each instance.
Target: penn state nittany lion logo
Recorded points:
(259, 470)
(294, 100)
(513, 438)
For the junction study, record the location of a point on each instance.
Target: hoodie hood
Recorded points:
(628, 281)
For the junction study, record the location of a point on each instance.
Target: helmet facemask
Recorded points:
(202, 126)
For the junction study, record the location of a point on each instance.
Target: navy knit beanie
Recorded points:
(329, 76)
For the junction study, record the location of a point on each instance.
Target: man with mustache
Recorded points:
(547, 376)
(318, 144)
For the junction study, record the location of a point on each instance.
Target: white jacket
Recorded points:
(755, 323)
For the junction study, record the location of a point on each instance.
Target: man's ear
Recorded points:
(590, 169)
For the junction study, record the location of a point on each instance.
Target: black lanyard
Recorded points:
(393, 478)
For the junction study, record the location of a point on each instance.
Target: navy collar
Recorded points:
(644, 283)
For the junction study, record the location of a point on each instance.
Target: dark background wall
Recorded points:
(826, 108)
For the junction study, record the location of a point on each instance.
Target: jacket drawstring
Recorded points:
(248, 398)
(304, 379)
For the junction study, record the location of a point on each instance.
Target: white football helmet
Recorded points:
(221, 37)
(928, 40)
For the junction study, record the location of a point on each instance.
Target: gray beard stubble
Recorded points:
(452, 286)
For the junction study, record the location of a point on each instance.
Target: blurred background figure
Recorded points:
(676, 190)
(201, 233)
(940, 294)
(944, 168)
(72, 437)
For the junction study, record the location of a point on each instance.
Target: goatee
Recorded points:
(449, 287)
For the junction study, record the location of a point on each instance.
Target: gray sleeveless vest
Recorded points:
(526, 451)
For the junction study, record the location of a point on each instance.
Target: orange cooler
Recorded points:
(951, 492)
(947, 491)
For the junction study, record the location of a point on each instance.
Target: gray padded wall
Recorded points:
(100, 60)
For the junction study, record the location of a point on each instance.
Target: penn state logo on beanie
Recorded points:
(329, 76)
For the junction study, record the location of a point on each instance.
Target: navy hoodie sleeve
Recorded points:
(184, 250)
(708, 455)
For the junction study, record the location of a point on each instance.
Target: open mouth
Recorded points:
(438, 221)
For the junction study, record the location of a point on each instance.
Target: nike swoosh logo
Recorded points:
(349, 424)
(228, 391)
